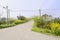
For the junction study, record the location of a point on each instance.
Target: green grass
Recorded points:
(6, 25)
(43, 30)
(13, 24)
(36, 29)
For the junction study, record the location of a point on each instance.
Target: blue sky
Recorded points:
(31, 5)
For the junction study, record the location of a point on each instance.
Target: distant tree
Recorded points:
(57, 20)
(47, 17)
(21, 17)
(3, 19)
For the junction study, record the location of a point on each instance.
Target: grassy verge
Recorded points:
(13, 24)
(36, 29)
(43, 30)
(6, 25)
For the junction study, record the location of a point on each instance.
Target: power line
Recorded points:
(23, 10)
(34, 10)
(49, 9)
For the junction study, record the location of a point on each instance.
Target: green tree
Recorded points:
(21, 18)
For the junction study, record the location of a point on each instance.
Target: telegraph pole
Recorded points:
(0, 16)
(40, 12)
(8, 15)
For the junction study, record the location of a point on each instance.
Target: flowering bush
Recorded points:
(19, 21)
(55, 28)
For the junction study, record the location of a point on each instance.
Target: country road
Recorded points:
(23, 32)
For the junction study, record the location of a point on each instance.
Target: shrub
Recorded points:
(12, 20)
(39, 21)
(2, 22)
(19, 21)
(57, 20)
(6, 26)
(43, 30)
(56, 31)
(21, 18)
(46, 26)
(55, 28)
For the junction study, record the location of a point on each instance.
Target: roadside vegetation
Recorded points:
(46, 24)
(12, 22)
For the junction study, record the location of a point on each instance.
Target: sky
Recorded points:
(16, 5)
